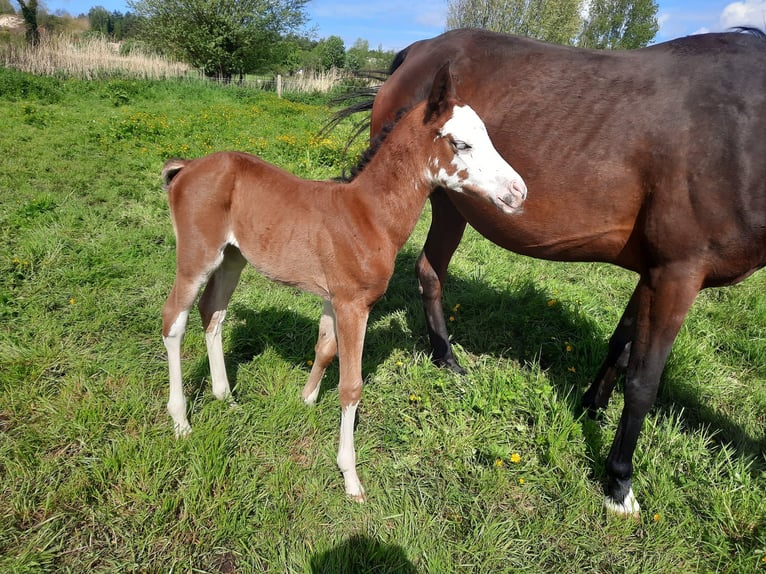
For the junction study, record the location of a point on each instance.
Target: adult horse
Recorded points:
(652, 159)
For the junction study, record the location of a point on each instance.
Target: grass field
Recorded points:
(497, 471)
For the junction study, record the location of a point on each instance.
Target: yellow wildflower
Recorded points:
(551, 302)
(568, 346)
(499, 462)
(310, 363)
(657, 517)
(515, 458)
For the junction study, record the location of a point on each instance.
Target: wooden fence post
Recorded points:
(279, 85)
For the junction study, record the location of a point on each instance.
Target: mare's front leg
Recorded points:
(324, 352)
(351, 323)
(597, 395)
(662, 301)
(444, 235)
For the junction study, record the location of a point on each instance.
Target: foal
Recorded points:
(336, 240)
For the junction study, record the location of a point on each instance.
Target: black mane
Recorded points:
(373, 148)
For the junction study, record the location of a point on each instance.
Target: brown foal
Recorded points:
(336, 240)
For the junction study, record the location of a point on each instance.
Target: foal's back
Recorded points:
(277, 220)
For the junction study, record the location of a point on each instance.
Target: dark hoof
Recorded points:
(451, 364)
(592, 407)
(595, 414)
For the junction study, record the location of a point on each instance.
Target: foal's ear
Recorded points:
(442, 91)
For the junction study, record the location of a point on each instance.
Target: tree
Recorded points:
(29, 13)
(556, 21)
(333, 52)
(115, 25)
(98, 17)
(620, 24)
(221, 37)
(588, 23)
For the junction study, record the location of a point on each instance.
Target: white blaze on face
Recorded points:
(476, 165)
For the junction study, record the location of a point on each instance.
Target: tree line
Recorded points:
(226, 38)
(600, 24)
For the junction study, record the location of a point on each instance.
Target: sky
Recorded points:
(395, 24)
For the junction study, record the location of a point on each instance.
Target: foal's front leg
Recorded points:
(351, 323)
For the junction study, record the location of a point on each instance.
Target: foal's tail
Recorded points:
(171, 169)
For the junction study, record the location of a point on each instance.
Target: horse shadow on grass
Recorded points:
(517, 323)
(520, 322)
(360, 555)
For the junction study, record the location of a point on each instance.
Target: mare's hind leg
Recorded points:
(212, 308)
(662, 303)
(175, 315)
(444, 235)
(597, 395)
(324, 352)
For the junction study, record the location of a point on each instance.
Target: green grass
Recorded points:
(497, 471)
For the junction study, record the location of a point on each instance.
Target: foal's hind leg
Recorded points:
(212, 308)
(324, 352)
(175, 315)
(597, 396)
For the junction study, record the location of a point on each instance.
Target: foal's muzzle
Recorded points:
(511, 201)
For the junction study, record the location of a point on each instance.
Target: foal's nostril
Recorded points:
(520, 188)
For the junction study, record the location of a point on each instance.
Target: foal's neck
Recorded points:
(395, 184)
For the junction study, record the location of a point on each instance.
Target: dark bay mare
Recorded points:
(652, 159)
(336, 240)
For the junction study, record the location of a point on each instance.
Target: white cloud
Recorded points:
(747, 13)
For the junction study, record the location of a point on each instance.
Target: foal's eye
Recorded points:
(458, 145)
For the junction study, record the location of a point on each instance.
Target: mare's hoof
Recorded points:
(450, 364)
(628, 508)
(595, 413)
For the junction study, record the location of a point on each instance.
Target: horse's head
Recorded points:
(467, 161)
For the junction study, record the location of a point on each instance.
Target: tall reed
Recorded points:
(87, 58)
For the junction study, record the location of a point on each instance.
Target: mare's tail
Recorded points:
(361, 100)
(171, 169)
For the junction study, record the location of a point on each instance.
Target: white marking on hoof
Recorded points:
(359, 497)
(628, 507)
(311, 399)
(182, 430)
